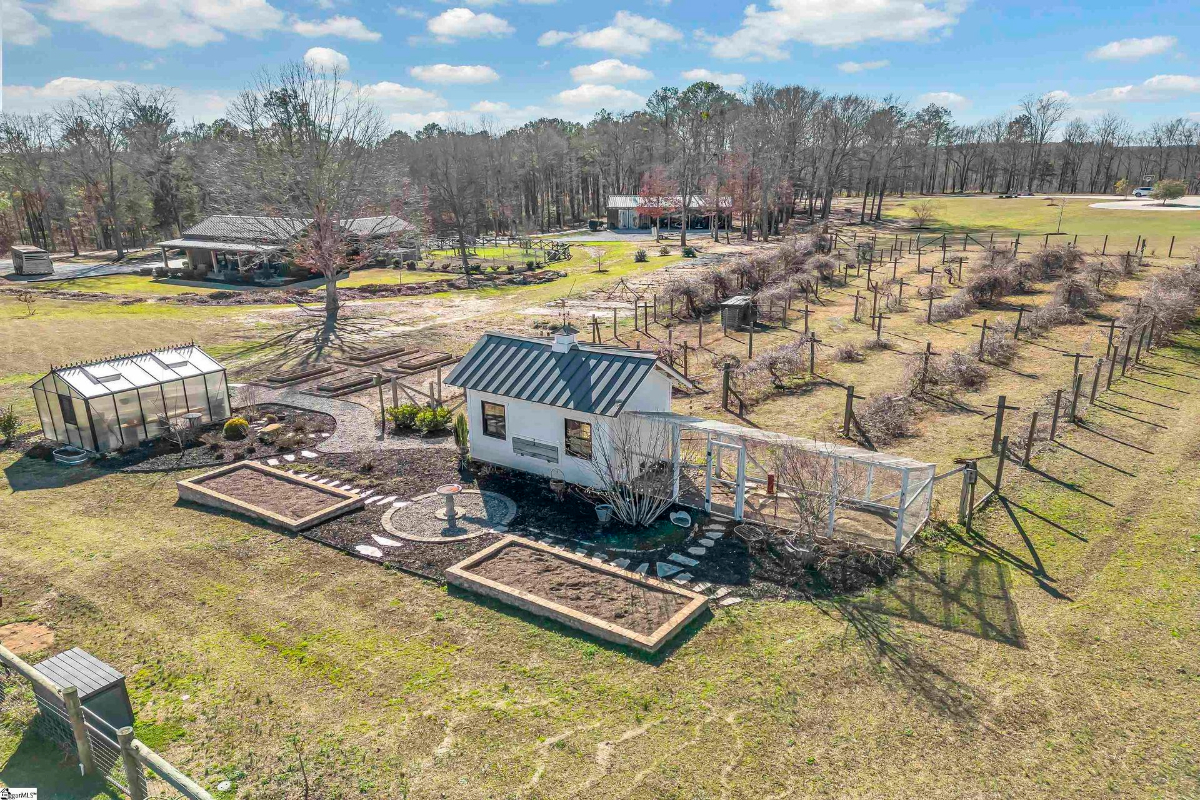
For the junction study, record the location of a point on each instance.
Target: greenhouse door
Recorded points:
(725, 481)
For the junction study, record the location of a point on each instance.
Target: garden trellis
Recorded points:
(818, 489)
(103, 406)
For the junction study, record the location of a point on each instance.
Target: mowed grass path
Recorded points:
(1036, 216)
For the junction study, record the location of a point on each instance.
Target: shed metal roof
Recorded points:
(590, 380)
(213, 244)
(80, 669)
(226, 227)
(696, 203)
(99, 378)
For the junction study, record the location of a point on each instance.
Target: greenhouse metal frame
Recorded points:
(115, 403)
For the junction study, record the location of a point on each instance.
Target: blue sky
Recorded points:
(512, 60)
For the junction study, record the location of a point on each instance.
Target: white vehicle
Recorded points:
(1143, 191)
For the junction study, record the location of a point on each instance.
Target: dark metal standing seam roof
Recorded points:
(80, 669)
(586, 380)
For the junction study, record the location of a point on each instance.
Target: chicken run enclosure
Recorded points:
(811, 488)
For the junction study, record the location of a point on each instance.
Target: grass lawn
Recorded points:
(1036, 216)
(377, 275)
(121, 284)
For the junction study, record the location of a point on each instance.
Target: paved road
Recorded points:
(70, 271)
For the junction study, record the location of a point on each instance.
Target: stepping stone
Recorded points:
(707, 542)
(368, 550)
(386, 500)
(729, 601)
(579, 551)
(367, 493)
(666, 570)
(371, 500)
(713, 527)
(702, 586)
(697, 551)
(324, 435)
(684, 578)
(600, 556)
(289, 458)
(308, 453)
(312, 436)
(719, 593)
(714, 534)
(623, 563)
(272, 462)
(386, 542)
(642, 569)
(687, 562)
(401, 503)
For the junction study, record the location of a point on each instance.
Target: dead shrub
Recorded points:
(1054, 262)
(952, 372)
(998, 346)
(1041, 320)
(1073, 291)
(824, 266)
(776, 365)
(694, 294)
(848, 354)
(886, 418)
(958, 306)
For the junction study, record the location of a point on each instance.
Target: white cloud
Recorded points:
(592, 95)
(551, 38)
(326, 59)
(346, 27)
(20, 26)
(1133, 49)
(449, 73)
(628, 35)
(392, 96)
(1160, 87)
(463, 23)
(951, 100)
(730, 80)
(853, 67)
(410, 13)
(193, 105)
(163, 23)
(833, 23)
(610, 70)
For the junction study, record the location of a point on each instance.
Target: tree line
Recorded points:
(118, 170)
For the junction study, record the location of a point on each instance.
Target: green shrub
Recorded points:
(641, 256)
(664, 251)
(530, 264)
(236, 428)
(689, 252)
(410, 265)
(160, 272)
(430, 420)
(8, 425)
(404, 417)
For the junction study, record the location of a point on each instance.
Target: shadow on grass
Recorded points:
(29, 473)
(38, 763)
(653, 659)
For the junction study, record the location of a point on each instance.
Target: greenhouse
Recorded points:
(108, 405)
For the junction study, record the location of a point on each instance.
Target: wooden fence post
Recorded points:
(395, 394)
(133, 768)
(83, 745)
(1096, 380)
(1112, 364)
(382, 413)
(849, 413)
(614, 322)
(1029, 439)
(685, 359)
(1078, 384)
(725, 388)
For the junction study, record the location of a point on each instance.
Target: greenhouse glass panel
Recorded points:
(155, 410)
(218, 396)
(43, 408)
(106, 425)
(197, 397)
(129, 412)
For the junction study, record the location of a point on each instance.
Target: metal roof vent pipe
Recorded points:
(564, 338)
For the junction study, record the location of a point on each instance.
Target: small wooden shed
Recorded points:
(735, 312)
(101, 688)
(30, 260)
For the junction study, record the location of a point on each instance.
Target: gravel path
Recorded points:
(357, 431)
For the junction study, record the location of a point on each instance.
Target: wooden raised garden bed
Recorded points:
(343, 385)
(604, 601)
(303, 374)
(364, 358)
(271, 495)
(419, 361)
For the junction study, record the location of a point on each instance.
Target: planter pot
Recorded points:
(604, 512)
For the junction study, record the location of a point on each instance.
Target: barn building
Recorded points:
(622, 211)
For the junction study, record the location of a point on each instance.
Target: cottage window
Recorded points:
(579, 439)
(493, 420)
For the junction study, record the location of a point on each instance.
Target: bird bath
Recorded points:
(448, 491)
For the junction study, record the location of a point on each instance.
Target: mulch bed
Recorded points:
(293, 501)
(631, 605)
(211, 448)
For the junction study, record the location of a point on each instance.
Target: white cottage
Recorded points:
(538, 405)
